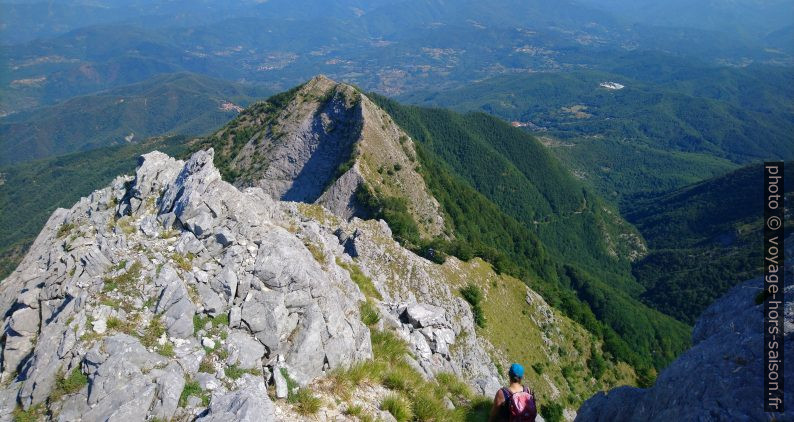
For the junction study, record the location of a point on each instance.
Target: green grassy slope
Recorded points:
(170, 104)
(514, 171)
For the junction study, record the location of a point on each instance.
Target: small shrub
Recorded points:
(552, 412)
(538, 367)
(473, 294)
(596, 364)
(369, 313)
(192, 388)
(398, 407)
(33, 414)
(199, 321)
(65, 229)
(69, 384)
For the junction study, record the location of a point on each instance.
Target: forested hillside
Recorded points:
(704, 239)
(669, 126)
(477, 166)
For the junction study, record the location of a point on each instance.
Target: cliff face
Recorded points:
(318, 144)
(173, 277)
(720, 377)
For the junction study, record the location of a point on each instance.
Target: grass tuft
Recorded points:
(363, 282)
(192, 388)
(398, 407)
(69, 383)
(185, 262)
(33, 414)
(305, 402)
(369, 313)
(153, 332)
(65, 229)
(124, 282)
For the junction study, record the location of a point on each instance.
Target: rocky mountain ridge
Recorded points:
(174, 276)
(275, 297)
(320, 143)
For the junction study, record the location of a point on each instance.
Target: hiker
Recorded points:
(514, 402)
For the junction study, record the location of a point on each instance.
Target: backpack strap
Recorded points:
(506, 393)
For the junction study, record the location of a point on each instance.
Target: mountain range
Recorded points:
(572, 185)
(206, 274)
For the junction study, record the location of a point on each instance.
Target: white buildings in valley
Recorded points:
(612, 85)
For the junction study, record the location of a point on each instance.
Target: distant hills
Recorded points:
(390, 46)
(173, 104)
(668, 127)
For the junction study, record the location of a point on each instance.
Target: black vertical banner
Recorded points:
(773, 285)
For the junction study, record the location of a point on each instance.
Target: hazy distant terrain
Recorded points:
(176, 104)
(388, 46)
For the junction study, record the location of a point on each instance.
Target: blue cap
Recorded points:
(516, 371)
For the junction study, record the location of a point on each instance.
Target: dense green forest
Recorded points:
(476, 166)
(514, 171)
(31, 191)
(670, 126)
(704, 239)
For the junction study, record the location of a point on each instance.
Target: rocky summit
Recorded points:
(174, 295)
(320, 143)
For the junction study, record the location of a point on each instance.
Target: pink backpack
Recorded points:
(521, 406)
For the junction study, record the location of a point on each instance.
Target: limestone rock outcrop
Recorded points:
(174, 295)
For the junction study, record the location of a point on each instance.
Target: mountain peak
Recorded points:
(325, 142)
